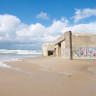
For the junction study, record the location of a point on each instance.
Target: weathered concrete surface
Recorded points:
(84, 46)
(64, 40)
(56, 49)
(48, 46)
(60, 39)
(73, 46)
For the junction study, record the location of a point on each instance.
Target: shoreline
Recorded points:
(48, 76)
(90, 68)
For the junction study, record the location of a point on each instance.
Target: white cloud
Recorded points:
(64, 20)
(43, 16)
(13, 31)
(31, 30)
(81, 28)
(8, 23)
(83, 13)
(56, 28)
(8, 26)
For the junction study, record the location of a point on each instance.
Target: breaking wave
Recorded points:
(26, 52)
(16, 55)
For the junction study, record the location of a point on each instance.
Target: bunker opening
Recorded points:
(50, 53)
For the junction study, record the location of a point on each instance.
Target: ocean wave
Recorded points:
(6, 51)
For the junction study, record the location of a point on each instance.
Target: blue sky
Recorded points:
(26, 10)
(48, 18)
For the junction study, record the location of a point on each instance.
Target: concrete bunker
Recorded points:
(72, 46)
(59, 49)
(48, 49)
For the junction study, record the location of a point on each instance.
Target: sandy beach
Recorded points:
(49, 76)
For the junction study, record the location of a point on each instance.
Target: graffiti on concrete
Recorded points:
(86, 51)
(65, 51)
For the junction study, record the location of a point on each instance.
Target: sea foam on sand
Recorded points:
(16, 55)
(2, 65)
(64, 73)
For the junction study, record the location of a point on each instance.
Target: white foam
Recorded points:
(44, 68)
(5, 66)
(16, 55)
(69, 74)
(5, 51)
(2, 65)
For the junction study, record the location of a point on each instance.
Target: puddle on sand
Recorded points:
(92, 69)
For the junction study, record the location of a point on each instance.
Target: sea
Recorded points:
(16, 55)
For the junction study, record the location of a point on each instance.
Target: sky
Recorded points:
(27, 24)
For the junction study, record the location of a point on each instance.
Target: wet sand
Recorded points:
(49, 76)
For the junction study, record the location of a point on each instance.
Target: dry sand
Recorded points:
(49, 76)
